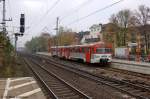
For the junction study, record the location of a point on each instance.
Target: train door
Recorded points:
(68, 53)
(88, 54)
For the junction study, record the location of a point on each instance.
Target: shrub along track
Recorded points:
(123, 86)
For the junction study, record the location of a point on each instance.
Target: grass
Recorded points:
(14, 68)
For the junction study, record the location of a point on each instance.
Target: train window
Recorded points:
(103, 50)
(86, 49)
(107, 50)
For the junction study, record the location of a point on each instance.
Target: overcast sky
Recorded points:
(41, 14)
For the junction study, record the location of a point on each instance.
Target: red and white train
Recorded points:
(90, 53)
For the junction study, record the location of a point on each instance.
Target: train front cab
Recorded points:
(101, 55)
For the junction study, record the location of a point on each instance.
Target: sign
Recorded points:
(132, 44)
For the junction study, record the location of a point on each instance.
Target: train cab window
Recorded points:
(103, 50)
(108, 50)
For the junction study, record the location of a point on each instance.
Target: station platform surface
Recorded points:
(20, 88)
(146, 64)
(140, 67)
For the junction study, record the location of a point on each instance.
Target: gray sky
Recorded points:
(41, 14)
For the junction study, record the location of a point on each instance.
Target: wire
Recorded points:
(101, 9)
(47, 12)
(76, 9)
(10, 7)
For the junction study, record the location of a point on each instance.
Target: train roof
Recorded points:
(85, 45)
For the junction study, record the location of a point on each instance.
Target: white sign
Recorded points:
(132, 44)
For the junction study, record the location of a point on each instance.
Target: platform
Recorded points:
(140, 67)
(20, 88)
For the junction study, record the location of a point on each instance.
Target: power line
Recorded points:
(47, 12)
(76, 9)
(10, 7)
(85, 3)
(101, 9)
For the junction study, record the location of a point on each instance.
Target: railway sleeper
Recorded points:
(58, 84)
(67, 94)
(60, 89)
(145, 94)
(64, 91)
(73, 97)
(122, 86)
(135, 91)
(128, 89)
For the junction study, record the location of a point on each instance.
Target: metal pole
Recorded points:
(57, 22)
(16, 38)
(3, 19)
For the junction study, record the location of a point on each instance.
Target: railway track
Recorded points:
(124, 73)
(56, 87)
(139, 92)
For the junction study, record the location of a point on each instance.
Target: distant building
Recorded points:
(135, 37)
(94, 35)
(80, 35)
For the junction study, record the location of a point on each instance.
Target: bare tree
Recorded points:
(113, 19)
(122, 20)
(142, 18)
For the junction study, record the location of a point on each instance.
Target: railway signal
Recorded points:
(22, 23)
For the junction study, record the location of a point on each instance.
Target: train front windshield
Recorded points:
(103, 50)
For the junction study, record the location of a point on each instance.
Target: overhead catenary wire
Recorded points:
(10, 8)
(76, 9)
(46, 13)
(101, 9)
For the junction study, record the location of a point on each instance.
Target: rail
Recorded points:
(114, 83)
(81, 94)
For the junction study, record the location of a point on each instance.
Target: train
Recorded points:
(90, 53)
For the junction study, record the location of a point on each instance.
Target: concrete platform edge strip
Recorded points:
(6, 88)
(29, 93)
(21, 85)
(18, 79)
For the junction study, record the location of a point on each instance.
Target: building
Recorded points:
(94, 35)
(135, 37)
